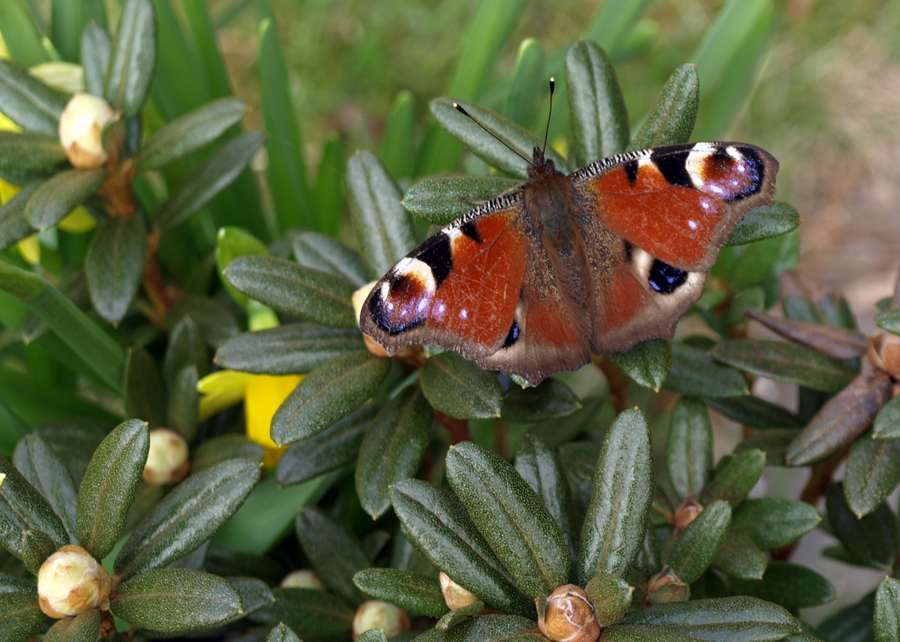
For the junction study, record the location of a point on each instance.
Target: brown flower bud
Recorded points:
(687, 512)
(666, 587)
(70, 582)
(884, 353)
(455, 596)
(376, 614)
(167, 460)
(568, 616)
(81, 130)
(303, 579)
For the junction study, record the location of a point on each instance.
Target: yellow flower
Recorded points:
(262, 394)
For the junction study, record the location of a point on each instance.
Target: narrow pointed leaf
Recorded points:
(648, 363)
(460, 388)
(114, 265)
(549, 400)
(185, 348)
(872, 473)
(789, 585)
(132, 59)
(853, 623)
(614, 23)
(839, 343)
(774, 522)
(182, 406)
(109, 485)
(333, 551)
(887, 611)
(23, 510)
(384, 229)
(596, 105)
(309, 612)
(28, 151)
(145, 397)
(20, 615)
(282, 633)
(672, 119)
(328, 192)
(398, 142)
(328, 393)
(689, 452)
(695, 373)
(763, 222)
(224, 447)
(45, 470)
(755, 412)
(733, 481)
(14, 225)
(527, 84)
(96, 46)
(411, 591)
(739, 557)
(841, 419)
(613, 528)
(28, 102)
(698, 543)
(321, 252)
(887, 421)
(441, 200)
(61, 194)
(874, 538)
(774, 443)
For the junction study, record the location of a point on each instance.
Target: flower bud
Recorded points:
(303, 578)
(568, 616)
(70, 582)
(455, 596)
(689, 510)
(884, 353)
(358, 298)
(666, 587)
(376, 614)
(81, 130)
(167, 460)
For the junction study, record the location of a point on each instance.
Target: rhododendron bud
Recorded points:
(568, 616)
(167, 459)
(303, 579)
(455, 596)
(376, 614)
(81, 130)
(70, 582)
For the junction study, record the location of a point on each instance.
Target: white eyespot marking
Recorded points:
(438, 311)
(695, 164)
(707, 204)
(693, 225)
(734, 153)
(643, 263)
(385, 291)
(418, 271)
(464, 314)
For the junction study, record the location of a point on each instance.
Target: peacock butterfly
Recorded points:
(533, 281)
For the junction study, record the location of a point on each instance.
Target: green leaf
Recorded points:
(303, 292)
(309, 612)
(14, 225)
(132, 59)
(438, 525)
(222, 448)
(324, 253)
(392, 449)
(442, 200)
(208, 179)
(527, 82)
(24, 511)
(183, 404)
(214, 318)
(85, 627)
(410, 591)
(333, 551)
(647, 363)
(68, 21)
(872, 473)
(774, 522)
(335, 447)
(22, 29)
(672, 119)
(889, 320)
(20, 615)
(189, 133)
(774, 443)
(763, 222)
(459, 615)
(874, 538)
(614, 23)
(840, 343)
(614, 526)
(96, 46)
(853, 623)
(44, 469)
(328, 193)
(398, 141)
(28, 151)
(282, 633)
(185, 348)
(698, 543)
(511, 517)
(234, 563)
(460, 388)
(733, 481)
(60, 194)
(739, 557)
(145, 397)
(187, 517)
(114, 265)
(74, 442)
(887, 611)
(755, 412)
(383, 227)
(695, 373)
(28, 102)
(841, 419)
(109, 485)
(549, 400)
(232, 242)
(887, 421)
(332, 391)
(689, 452)
(789, 585)
(486, 146)
(171, 600)
(596, 105)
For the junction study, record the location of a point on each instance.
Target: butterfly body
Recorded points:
(532, 282)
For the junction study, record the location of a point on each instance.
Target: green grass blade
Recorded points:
(398, 143)
(613, 24)
(21, 35)
(528, 84)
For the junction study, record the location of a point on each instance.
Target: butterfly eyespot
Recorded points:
(513, 335)
(437, 254)
(664, 278)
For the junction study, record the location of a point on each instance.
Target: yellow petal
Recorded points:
(6, 124)
(7, 191)
(220, 390)
(264, 394)
(4, 52)
(30, 249)
(78, 222)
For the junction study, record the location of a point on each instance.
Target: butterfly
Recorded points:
(532, 282)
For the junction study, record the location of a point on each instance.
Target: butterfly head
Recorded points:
(541, 165)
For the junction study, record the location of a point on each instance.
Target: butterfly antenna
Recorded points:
(462, 111)
(550, 113)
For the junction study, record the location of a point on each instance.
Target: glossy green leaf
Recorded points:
(337, 446)
(222, 448)
(384, 229)
(74, 441)
(69, 19)
(887, 421)
(243, 563)
(874, 538)
(309, 612)
(755, 412)
(511, 517)
(232, 242)
(689, 451)
(672, 119)
(460, 388)
(614, 526)
(114, 265)
(85, 627)
(614, 23)
(698, 543)
(330, 392)
(109, 485)
(887, 611)
(333, 551)
(96, 46)
(145, 397)
(185, 348)
(889, 320)
(328, 192)
(22, 30)
(872, 473)
(789, 585)
(410, 591)
(774, 522)
(132, 59)
(44, 469)
(438, 525)
(527, 84)
(398, 141)
(557, 432)
(170, 600)
(189, 133)
(14, 225)
(182, 407)
(322, 252)
(392, 449)
(853, 623)
(549, 400)
(282, 633)
(25, 511)
(28, 151)
(840, 343)
(596, 105)
(763, 222)
(187, 517)
(695, 373)
(643, 633)
(441, 200)
(311, 295)
(208, 179)
(733, 481)
(214, 318)
(20, 615)
(647, 363)
(774, 443)
(28, 102)
(841, 419)
(60, 194)
(739, 557)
